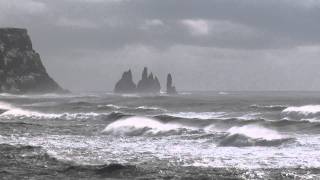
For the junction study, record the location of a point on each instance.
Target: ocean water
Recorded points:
(194, 135)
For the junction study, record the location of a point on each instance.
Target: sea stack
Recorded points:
(149, 84)
(21, 69)
(170, 88)
(125, 84)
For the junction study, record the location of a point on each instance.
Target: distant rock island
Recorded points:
(126, 84)
(149, 84)
(21, 69)
(170, 88)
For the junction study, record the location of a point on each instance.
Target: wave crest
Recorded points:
(302, 112)
(135, 126)
(269, 107)
(197, 115)
(252, 135)
(240, 140)
(9, 111)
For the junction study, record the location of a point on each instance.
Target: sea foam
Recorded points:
(13, 111)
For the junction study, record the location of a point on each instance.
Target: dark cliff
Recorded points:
(21, 69)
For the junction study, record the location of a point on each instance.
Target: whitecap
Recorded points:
(6, 106)
(13, 111)
(150, 108)
(269, 107)
(111, 106)
(249, 116)
(302, 112)
(256, 132)
(253, 135)
(198, 115)
(143, 126)
(305, 110)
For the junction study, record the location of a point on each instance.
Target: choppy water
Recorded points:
(240, 135)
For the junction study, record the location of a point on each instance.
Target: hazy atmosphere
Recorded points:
(160, 89)
(206, 45)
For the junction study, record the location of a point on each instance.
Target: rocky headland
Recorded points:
(21, 69)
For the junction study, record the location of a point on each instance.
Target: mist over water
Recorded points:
(247, 135)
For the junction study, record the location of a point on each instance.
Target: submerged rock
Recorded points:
(21, 69)
(125, 84)
(170, 88)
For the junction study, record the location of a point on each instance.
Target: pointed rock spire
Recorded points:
(145, 73)
(170, 88)
(148, 83)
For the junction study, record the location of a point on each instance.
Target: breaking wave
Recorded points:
(127, 108)
(253, 135)
(255, 131)
(240, 140)
(42, 104)
(9, 111)
(150, 108)
(269, 107)
(110, 106)
(197, 115)
(211, 116)
(308, 112)
(135, 126)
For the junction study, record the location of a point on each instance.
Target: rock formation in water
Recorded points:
(170, 88)
(125, 84)
(21, 69)
(148, 83)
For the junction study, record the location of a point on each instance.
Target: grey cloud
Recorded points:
(232, 24)
(195, 39)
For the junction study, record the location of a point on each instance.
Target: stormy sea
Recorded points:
(193, 135)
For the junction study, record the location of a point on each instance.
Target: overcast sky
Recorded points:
(206, 44)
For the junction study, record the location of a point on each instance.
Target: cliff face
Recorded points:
(21, 69)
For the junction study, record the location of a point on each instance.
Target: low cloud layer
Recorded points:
(206, 44)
